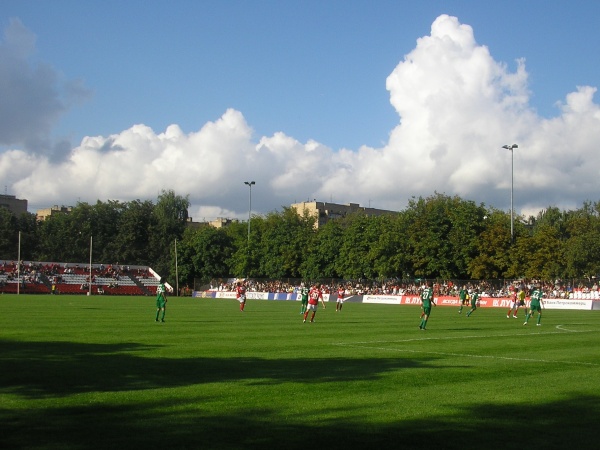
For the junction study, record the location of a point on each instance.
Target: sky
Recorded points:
(373, 102)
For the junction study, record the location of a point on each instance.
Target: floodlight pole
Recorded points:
(90, 284)
(512, 167)
(19, 266)
(249, 184)
(176, 271)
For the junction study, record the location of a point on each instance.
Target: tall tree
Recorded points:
(285, 237)
(321, 255)
(168, 223)
(443, 234)
(358, 237)
(134, 226)
(27, 225)
(8, 235)
(582, 247)
(239, 262)
(492, 256)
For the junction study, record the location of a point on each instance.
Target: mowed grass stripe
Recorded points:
(80, 372)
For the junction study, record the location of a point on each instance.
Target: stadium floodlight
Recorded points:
(512, 166)
(249, 184)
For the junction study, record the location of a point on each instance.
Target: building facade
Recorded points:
(13, 204)
(47, 212)
(324, 211)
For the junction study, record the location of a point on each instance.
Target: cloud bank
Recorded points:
(34, 97)
(456, 107)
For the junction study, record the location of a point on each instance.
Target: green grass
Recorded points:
(79, 372)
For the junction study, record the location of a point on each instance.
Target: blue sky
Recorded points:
(300, 97)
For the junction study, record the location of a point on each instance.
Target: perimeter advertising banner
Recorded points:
(484, 302)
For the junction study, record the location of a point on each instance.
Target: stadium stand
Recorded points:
(38, 278)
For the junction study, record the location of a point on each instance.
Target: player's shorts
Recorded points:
(474, 304)
(340, 300)
(533, 308)
(514, 304)
(521, 302)
(160, 303)
(311, 307)
(242, 298)
(427, 310)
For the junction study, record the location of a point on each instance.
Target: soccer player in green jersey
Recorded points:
(161, 300)
(303, 298)
(536, 305)
(426, 302)
(463, 297)
(474, 300)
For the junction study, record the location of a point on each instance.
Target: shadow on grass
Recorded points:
(42, 370)
(55, 369)
(567, 424)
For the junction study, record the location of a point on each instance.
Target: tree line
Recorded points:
(434, 237)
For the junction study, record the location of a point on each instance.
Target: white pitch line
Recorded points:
(443, 338)
(369, 345)
(560, 327)
(466, 355)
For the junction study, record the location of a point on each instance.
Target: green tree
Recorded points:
(104, 223)
(492, 256)
(322, 253)
(537, 256)
(582, 247)
(203, 253)
(238, 262)
(169, 220)
(27, 225)
(130, 245)
(284, 239)
(358, 236)
(386, 253)
(443, 235)
(59, 239)
(8, 235)
(395, 245)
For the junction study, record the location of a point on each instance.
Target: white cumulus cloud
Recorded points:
(456, 107)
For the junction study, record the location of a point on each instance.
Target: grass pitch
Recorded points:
(97, 372)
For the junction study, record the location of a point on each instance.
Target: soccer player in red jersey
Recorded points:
(514, 305)
(240, 294)
(340, 298)
(314, 296)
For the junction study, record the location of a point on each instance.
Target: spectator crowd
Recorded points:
(498, 289)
